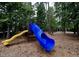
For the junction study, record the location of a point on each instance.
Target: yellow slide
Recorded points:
(8, 41)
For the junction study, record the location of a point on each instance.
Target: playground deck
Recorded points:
(66, 45)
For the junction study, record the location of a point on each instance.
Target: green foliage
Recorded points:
(41, 14)
(15, 16)
(68, 13)
(53, 24)
(51, 19)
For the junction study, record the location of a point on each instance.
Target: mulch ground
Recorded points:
(66, 45)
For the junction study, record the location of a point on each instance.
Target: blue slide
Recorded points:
(47, 43)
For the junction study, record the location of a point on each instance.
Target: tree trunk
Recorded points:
(47, 19)
(77, 29)
(74, 29)
(8, 26)
(64, 29)
(8, 32)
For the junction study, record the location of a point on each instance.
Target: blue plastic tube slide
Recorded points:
(45, 42)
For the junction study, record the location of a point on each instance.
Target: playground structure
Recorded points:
(45, 42)
(8, 41)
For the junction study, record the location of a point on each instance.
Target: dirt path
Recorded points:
(66, 45)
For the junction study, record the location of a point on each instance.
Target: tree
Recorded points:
(41, 14)
(51, 20)
(68, 13)
(17, 15)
